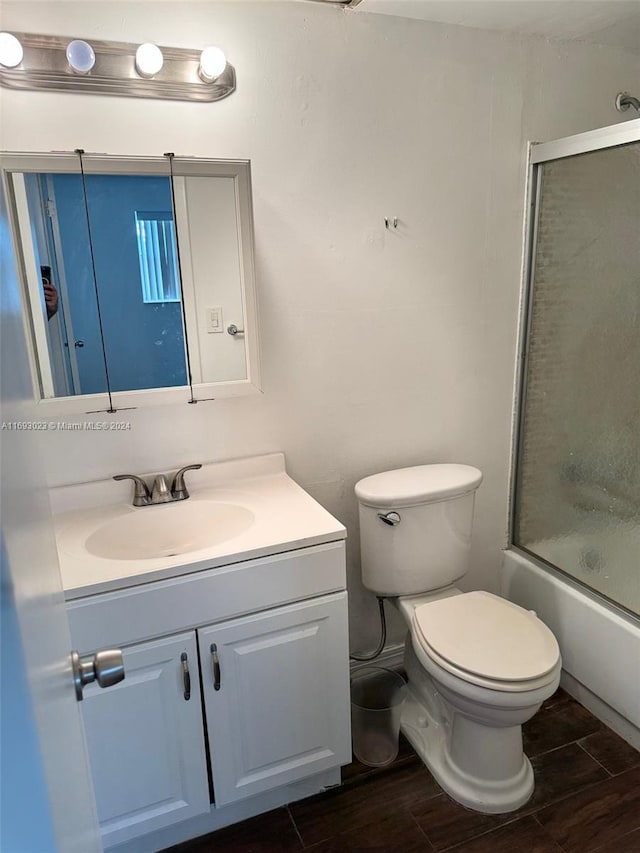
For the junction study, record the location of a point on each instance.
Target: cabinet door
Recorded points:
(146, 741)
(282, 708)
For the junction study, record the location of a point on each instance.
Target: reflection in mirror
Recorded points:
(134, 255)
(128, 254)
(139, 275)
(210, 259)
(64, 310)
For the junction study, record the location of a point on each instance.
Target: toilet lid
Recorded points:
(487, 636)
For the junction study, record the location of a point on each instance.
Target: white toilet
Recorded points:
(478, 666)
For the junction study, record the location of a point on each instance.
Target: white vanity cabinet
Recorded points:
(276, 696)
(145, 740)
(280, 714)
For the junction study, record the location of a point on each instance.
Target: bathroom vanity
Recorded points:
(236, 691)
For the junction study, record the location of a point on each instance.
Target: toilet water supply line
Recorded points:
(383, 637)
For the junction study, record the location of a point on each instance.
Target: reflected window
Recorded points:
(156, 235)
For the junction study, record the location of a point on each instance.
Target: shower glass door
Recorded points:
(577, 486)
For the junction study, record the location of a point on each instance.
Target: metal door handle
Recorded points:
(216, 667)
(233, 330)
(186, 676)
(106, 667)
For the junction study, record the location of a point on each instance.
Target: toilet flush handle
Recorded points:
(390, 518)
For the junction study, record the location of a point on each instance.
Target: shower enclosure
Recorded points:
(575, 533)
(577, 497)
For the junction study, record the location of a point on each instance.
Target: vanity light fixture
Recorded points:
(80, 56)
(212, 64)
(11, 51)
(30, 61)
(149, 60)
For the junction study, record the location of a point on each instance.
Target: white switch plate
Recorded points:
(214, 320)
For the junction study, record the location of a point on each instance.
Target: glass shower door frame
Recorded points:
(539, 154)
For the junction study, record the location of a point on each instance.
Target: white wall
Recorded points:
(380, 349)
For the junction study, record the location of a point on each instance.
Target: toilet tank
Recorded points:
(415, 527)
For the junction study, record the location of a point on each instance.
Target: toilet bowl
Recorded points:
(470, 695)
(478, 666)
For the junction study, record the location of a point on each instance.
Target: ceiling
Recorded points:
(611, 22)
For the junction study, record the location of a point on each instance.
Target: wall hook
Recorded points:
(389, 223)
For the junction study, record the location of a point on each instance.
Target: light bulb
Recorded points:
(149, 59)
(11, 51)
(80, 56)
(212, 64)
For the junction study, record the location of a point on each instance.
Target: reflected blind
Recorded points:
(156, 235)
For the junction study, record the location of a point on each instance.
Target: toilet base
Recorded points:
(431, 739)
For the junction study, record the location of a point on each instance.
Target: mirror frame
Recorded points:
(67, 162)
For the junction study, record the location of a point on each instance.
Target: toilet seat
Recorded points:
(488, 641)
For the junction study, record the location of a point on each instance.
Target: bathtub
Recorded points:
(600, 644)
(606, 560)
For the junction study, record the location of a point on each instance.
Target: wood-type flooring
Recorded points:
(586, 800)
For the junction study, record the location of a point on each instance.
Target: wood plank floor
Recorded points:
(587, 800)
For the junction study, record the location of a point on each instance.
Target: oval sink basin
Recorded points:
(168, 530)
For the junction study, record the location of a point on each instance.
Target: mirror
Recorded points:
(138, 276)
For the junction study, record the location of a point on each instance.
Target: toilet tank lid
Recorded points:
(419, 484)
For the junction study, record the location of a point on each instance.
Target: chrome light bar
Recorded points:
(97, 67)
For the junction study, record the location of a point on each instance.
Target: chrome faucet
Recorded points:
(160, 492)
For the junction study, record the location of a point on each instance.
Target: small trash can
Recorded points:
(377, 695)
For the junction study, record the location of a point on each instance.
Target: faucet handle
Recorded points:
(141, 496)
(179, 491)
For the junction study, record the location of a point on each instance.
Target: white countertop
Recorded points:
(285, 518)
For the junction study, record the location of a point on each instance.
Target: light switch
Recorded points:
(214, 320)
